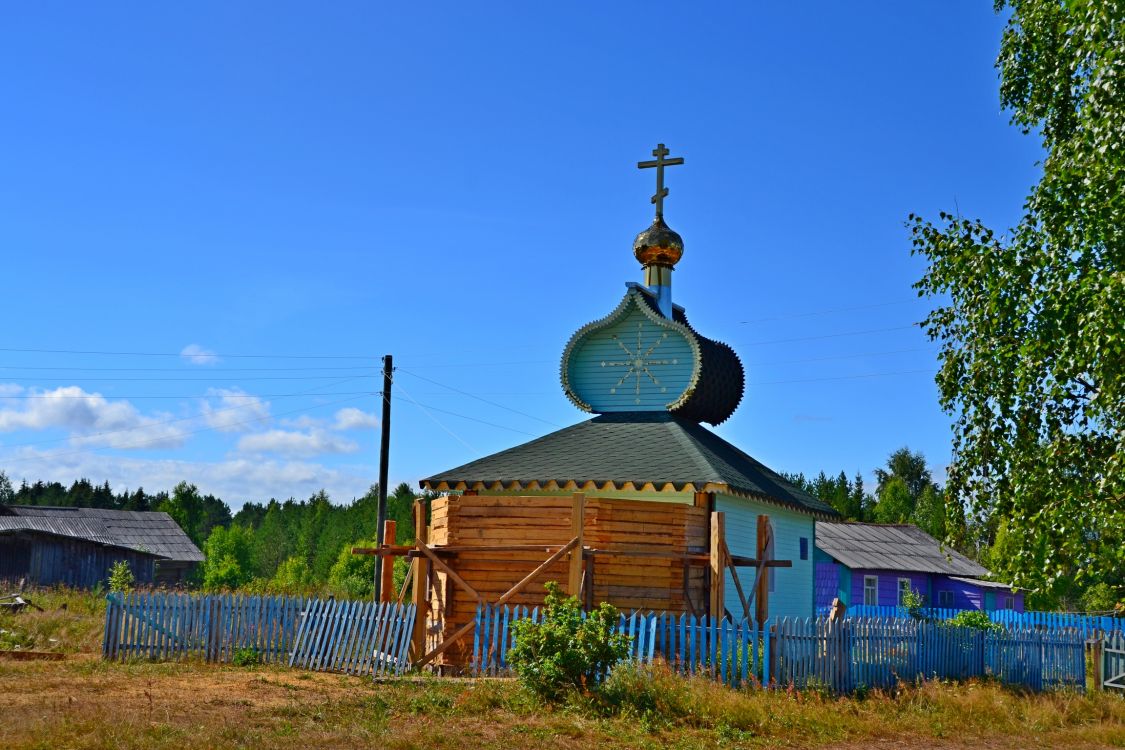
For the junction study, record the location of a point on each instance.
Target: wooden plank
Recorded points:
(421, 618)
(717, 564)
(761, 581)
(425, 549)
(737, 583)
(502, 600)
(577, 523)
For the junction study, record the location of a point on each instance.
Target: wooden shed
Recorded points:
(77, 547)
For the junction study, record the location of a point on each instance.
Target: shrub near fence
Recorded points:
(842, 657)
(727, 651)
(173, 626)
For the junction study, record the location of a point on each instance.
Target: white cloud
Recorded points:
(90, 418)
(295, 444)
(197, 355)
(233, 410)
(351, 418)
(235, 481)
(10, 389)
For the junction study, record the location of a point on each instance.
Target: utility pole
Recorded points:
(384, 457)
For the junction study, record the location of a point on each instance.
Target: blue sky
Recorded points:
(317, 185)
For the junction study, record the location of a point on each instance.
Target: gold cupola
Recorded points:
(659, 248)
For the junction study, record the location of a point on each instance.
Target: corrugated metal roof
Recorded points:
(144, 531)
(891, 547)
(631, 447)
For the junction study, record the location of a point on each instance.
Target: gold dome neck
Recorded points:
(658, 245)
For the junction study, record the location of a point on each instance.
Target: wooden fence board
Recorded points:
(161, 625)
(855, 653)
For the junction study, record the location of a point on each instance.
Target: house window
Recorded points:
(945, 599)
(871, 590)
(1009, 602)
(804, 548)
(903, 590)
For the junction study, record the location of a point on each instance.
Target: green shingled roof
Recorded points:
(636, 447)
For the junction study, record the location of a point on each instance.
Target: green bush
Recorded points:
(912, 602)
(229, 559)
(566, 652)
(654, 695)
(974, 618)
(292, 577)
(246, 657)
(121, 577)
(354, 575)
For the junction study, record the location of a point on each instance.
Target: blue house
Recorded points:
(875, 564)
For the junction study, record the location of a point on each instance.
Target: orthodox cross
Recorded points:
(660, 162)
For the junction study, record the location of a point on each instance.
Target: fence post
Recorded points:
(718, 564)
(214, 627)
(422, 613)
(387, 583)
(577, 522)
(1097, 646)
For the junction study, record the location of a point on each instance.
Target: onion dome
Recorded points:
(658, 245)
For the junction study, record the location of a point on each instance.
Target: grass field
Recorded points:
(82, 702)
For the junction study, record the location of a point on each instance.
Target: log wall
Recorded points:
(609, 524)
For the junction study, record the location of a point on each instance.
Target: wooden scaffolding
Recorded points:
(634, 554)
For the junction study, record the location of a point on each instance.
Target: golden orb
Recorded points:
(658, 245)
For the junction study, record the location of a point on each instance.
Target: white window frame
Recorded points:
(875, 588)
(898, 589)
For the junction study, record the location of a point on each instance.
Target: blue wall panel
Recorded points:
(602, 369)
(792, 594)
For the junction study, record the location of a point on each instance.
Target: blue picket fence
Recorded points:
(1091, 626)
(1113, 663)
(493, 636)
(842, 657)
(353, 637)
(727, 651)
(156, 625)
(874, 652)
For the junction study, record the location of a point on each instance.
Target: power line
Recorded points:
(183, 395)
(188, 355)
(435, 420)
(842, 377)
(830, 311)
(481, 399)
(160, 422)
(852, 355)
(181, 435)
(183, 368)
(829, 336)
(472, 419)
(178, 380)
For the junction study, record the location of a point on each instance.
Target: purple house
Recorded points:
(874, 564)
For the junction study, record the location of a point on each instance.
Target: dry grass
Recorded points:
(85, 703)
(71, 622)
